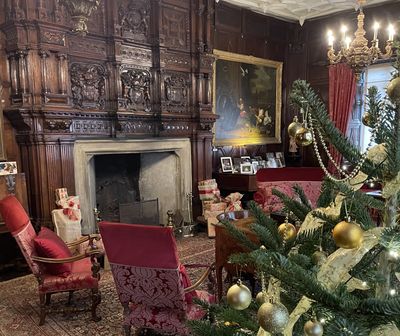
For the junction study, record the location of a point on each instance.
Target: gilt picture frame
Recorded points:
(247, 97)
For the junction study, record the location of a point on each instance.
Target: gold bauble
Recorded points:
(273, 317)
(367, 119)
(393, 90)
(287, 231)
(303, 137)
(294, 126)
(260, 298)
(238, 296)
(347, 235)
(318, 258)
(313, 328)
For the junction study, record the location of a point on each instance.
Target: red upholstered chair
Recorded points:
(151, 283)
(80, 271)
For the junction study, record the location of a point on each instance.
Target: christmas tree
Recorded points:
(338, 273)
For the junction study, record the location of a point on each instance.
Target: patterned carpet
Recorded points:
(19, 304)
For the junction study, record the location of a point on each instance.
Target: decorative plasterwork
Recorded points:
(299, 10)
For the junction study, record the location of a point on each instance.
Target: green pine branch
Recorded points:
(304, 96)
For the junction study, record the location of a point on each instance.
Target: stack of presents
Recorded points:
(214, 204)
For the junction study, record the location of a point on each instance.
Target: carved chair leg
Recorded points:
(70, 297)
(48, 298)
(96, 299)
(43, 308)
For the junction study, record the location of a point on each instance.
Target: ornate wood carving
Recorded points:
(175, 28)
(57, 125)
(180, 60)
(88, 85)
(136, 55)
(51, 37)
(134, 19)
(135, 89)
(84, 46)
(175, 93)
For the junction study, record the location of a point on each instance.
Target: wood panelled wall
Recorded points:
(144, 70)
(241, 31)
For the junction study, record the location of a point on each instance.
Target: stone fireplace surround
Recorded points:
(170, 187)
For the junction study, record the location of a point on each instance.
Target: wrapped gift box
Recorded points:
(211, 226)
(212, 214)
(211, 206)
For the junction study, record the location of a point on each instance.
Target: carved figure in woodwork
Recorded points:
(136, 89)
(176, 87)
(88, 85)
(134, 18)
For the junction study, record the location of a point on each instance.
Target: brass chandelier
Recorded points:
(356, 52)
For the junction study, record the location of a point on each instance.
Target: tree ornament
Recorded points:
(294, 126)
(313, 328)
(318, 258)
(393, 90)
(303, 137)
(260, 298)
(287, 231)
(347, 235)
(367, 119)
(273, 317)
(238, 296)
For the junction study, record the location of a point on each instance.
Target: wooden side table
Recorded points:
(236, 182)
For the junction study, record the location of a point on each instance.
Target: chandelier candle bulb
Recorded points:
(343, 30)
(391, 32)
(376, 28)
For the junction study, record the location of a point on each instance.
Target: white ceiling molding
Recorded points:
(299, 10)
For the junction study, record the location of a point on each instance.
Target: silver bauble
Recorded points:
(313, 328)
(238, 296)
(273, 317)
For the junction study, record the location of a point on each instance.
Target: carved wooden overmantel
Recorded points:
(143, 70)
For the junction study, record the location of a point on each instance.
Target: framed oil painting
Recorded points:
(247, 97)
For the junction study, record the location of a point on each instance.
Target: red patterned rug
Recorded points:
(19, 304)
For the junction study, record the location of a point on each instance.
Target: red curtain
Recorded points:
(342, 90)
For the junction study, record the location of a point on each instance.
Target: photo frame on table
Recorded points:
(246, 168)
(256, 166)
(226, 164)
(280, 158)
(247, 97)
(244, 159)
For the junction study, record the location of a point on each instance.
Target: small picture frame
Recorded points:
(245, 159)
(279, 156)
(226, 164)
(270, 155)
(271, 163)
(246, 168)
(255, 165)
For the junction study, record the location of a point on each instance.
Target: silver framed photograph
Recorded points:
(226, 164)
(280, 157)
(246, 168)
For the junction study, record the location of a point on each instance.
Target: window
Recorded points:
(377, 75)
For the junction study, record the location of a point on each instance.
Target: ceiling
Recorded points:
(299, 10)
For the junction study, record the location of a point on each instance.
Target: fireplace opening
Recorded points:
(134, 187)
(134, 170)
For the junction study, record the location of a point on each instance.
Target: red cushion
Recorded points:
(49, 245)
(13, 213)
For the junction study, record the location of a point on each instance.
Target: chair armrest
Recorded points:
(89, 238)
(201, 279)
(89, 253)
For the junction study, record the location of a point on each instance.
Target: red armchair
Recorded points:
(151, 283)
(83, 268)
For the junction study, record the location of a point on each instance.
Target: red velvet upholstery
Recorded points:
(283, 179)
(13, 213)
(149, 279)
(79, 272)
(49, 245)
